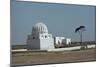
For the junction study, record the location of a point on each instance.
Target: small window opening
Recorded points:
(33, 37)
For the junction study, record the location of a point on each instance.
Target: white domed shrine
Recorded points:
(39, 38)
(39, 28)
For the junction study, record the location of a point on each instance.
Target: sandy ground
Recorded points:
(34, 58)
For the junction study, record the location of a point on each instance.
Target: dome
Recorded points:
(40, 28)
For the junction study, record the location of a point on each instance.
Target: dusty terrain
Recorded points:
(28, 58)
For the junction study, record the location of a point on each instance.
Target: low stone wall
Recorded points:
(56, 49)
(71, 48)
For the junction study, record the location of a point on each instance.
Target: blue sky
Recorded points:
(61, 20)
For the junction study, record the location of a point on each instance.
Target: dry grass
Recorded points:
(53, 57)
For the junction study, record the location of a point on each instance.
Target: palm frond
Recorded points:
(79, 28)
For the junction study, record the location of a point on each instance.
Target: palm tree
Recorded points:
(80, 29)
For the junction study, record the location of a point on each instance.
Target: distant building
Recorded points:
(67, 41)
(58, 40)
(62, 41)
(40, 38)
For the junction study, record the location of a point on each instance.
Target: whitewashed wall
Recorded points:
(33, 44)
(58, 40)
(46, 43)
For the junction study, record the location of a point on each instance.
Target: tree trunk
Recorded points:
(80, 38)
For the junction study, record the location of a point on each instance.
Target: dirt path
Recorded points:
(53, 57)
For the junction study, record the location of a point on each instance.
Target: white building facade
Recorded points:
(40, 38)
(67, 41)
(59, 40)
(62, 40)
